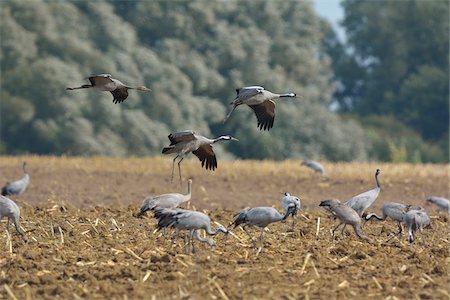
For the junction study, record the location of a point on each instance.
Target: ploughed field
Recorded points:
(84, 241)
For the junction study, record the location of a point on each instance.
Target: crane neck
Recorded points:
(377, 181)
(222, 137)
(286, 95)
(187, 197)
(24, 168)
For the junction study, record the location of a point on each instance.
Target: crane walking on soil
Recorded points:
(316, 166)
(10, 210)
(172, 200)
(184, 142)
(293, 203)
(440, 202)
(260, 217)
(19, 186)
(416, 219)
(346, 215)
(104, 82)
(189, 220)
(261, 101)
(395, 211)
(362, 201)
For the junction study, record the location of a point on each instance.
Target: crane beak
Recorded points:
(234, 139)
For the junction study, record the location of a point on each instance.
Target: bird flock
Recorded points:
(166, 209)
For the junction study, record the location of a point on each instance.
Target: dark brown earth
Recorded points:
(84, 241)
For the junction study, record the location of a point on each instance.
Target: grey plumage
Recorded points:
(393, 210)
(362, 201)
(441, 202)
(293, 203)
(10, 210)
(172, 200)
(104, 82)
(316, 166)
(19, 186)
(415, 219)
(184, 142)
(260, 217)
(189, 220)
(346, 215)
(261, 101)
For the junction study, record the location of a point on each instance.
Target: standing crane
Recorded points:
(104, 82)
(261, 101)
(316, 166)
(362, 201)
(9, 209)
(346, 215)
(416, 219)
(19, 186)
(393, 210)
(260, 217)
(182, 219)
(184, 142)
(441, 202)
(172, 200)
(289, 201)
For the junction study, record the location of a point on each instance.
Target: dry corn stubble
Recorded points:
(85, 243)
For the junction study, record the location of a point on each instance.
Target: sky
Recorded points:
(333, 12)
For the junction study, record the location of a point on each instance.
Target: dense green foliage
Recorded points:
(193, 54)
(396, 63)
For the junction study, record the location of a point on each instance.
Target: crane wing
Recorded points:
(99, 80)
(181, 136)
(207, 156)
(265, 113)
(120, 95)
(248, 92)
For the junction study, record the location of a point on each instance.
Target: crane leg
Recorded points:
(173, 167)
(248, 233)
(179, 168)
(19, 231)
(261, 238)
(177, 231)
(293, 223)
(342, 231)
(332, 236)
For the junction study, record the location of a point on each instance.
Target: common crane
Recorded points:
(415, 219)
(316, 166)
(362, 201)
(293, 203)
(10, 210)
(393, 210)
(184, 142)
(441, 202)
(261, 101)
(19, 186)
(260, 217)
(104, 82)
(172, 200)
(182, 219)
(346, 215)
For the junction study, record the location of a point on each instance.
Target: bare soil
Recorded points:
(84, 241)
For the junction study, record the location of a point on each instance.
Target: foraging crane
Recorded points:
(316, 166)
(395, 211)
(104, 82)
(182, 219)
(362, 201)
(288, 202)
(440, 202)
(260, 217)
(184, 142)
(172, 200)
(415, 219)
(19, 186)
(261, 101)
(10, 210)
(346, 215)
